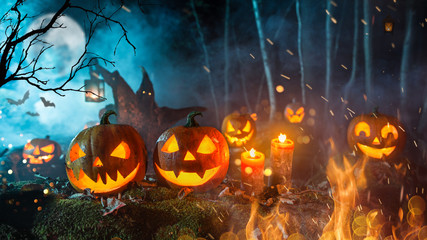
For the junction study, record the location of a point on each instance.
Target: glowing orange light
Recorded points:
(252, 153)
(282, 138)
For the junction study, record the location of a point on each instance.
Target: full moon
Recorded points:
(68, 45)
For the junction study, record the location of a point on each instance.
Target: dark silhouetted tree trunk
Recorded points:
(367, 46)
(350, 82)
(207, 62)
(226, 57)
(242, 73)
(265, 60)
(301, 63)
(328, 49)
(406, 56)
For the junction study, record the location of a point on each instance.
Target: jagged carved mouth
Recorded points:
(376, 152)
(39, 159)
(190, 179)
(239, 141)
(83, 181)
(295, 119)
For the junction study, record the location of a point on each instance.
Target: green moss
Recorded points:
(82, 219)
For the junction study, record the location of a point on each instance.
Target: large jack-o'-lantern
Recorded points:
(238, 129)
(376, 135)
(105, 158)
(294, 112)
(191, 156)
(41, 151)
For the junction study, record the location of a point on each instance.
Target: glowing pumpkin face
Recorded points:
(375, 135)
(105, 158)
(238, 129)
(388, 24)
(40, 151)
(388, 27)
(294, 112)
(191, 156)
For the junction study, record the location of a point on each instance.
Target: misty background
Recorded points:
(168, 45)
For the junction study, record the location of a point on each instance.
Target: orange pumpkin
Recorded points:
(191, 156)
(294, 112)
(105, 158)
(238, 129)
(376, 135)
(41, 150)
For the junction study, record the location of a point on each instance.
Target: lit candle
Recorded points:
(282, 150)
(252, 166)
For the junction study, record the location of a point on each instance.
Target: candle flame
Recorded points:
(282, 138)
(252, 152)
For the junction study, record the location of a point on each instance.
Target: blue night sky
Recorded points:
(168, 46)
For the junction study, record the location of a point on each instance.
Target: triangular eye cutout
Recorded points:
(121, 151)
(300, 110)
(206, 146)
(171, 145)
(247, 127)
(289, 111)
(76, 152)
(230, 127)
(48, 149)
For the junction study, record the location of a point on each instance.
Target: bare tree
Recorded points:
(226, 56)
(207, 61)
(27, 67)
(265, 60)
(328, 49)
(301, 63)
(406, 55)
(367, 46)
(242, 72)
(350, 82)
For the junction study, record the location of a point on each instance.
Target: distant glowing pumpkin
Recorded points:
(238, 129)
(105, 158)
(191, 156)
(41, 151)
(376, 135)
(294, 112)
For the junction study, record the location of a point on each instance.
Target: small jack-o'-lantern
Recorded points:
(41, 150)
(376, 135)
(294, 112)
(388, 24)
(238, 129)
(105, 158)
(191, 156)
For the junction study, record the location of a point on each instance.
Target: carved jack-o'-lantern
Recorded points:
(41, 150)
(191, 156)
(238, 129)
(388, 24)
(105, 158)
(376, 135)
(294, 112)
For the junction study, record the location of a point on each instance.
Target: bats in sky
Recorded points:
(19, 101)
(47, 103)
(33, 114)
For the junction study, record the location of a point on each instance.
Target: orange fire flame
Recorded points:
(349, 221)
(252, 153)
(282, 138)
(272, 226)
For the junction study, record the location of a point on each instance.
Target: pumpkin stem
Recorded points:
(191, 122)
(105, 116)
